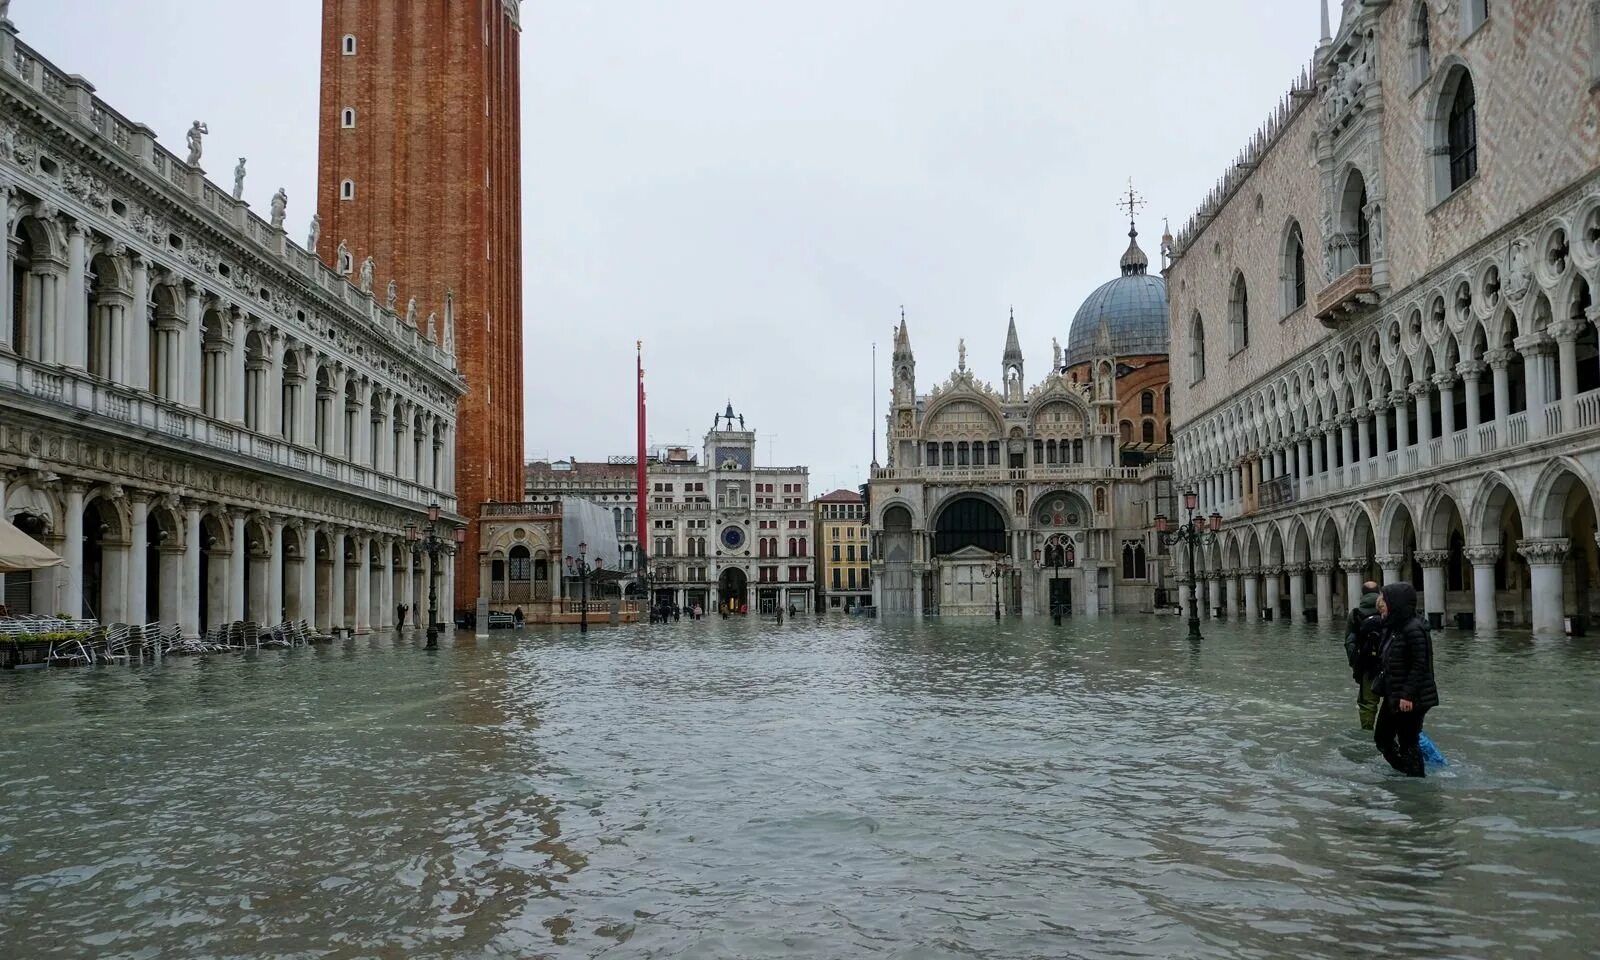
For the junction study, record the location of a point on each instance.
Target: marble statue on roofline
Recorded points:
(238, 180)
(195, 139)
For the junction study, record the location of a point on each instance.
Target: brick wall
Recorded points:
(435, 159)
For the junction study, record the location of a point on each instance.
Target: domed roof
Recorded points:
(1133, 308)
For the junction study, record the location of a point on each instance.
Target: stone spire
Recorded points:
(1327, 29)
(1011, 362)
(1013, 348)
(902, 337)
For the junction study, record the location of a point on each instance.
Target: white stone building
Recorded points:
(206, 422)
(1034, 475)
(1383, 322)
(722, 530)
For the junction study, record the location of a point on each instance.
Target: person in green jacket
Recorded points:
(1363, 636)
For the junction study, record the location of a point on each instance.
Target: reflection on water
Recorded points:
(849, 789)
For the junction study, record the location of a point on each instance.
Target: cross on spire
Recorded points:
(1132, 203)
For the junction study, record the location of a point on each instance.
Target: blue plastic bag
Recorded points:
(1430, 753)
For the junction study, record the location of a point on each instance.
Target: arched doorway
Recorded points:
(733, 590)
(970, 534)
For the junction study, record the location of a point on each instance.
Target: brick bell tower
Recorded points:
(419, 167)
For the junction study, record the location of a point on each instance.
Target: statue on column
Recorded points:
(1055, 353)
(961, 353)
(411, 313)
(195, 140)
(390, 296)
(280, 207)
(433, 319)
(366, 275)
(342, 258)
(238, 180)
(315, 233)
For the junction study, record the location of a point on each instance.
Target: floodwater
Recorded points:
(740, 789)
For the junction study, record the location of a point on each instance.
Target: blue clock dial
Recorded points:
(732, 538)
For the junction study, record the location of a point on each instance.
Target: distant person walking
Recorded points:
(1363, 636)
(1405, 684)
(400, 615)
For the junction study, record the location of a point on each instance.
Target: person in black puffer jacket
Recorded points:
(1406, 683)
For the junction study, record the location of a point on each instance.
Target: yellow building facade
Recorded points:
(844, 577)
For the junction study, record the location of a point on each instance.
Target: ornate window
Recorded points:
(1294, 269)
(1197, 349)
(1239, 313)
(1420, 52)
(1355, 246)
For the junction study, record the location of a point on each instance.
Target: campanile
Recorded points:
(419, 167)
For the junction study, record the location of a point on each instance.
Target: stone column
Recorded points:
(1323, 569)
(70, 600)
(236, 565)
(1499, 366)
(1433, 582)
(1545, 556)
(1422, 390)
(1213, 596)
(1483, 559)
(1230, 596)
(361, 414)
(336, 617)
(73, 334)
(1303, 462)
(1566, 335)
(189, 587)
(336, 417)
(138, 552)
(1380, 413)
(1390, 563)
(1252, 598)
(1363, 443)
(138, 327)
(307, 610)
(275, 611)
(1402, 428)
(386, 601)
(1533, 348)
(189, 357)
(1447, 413)
(233, 382)
(307, 405)
(1297, 590)
(363, 549)
(1347, 446)
(1471, 373)
(1273, 575)
(408, 584)
(1352, 568)
(9, 247)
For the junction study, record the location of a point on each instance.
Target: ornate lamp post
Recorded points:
(1199, 530)
(430, 542)
(1000, 566)
(579, 568)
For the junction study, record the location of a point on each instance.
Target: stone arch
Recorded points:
(1452, 146)
(1549, 499)
(1440, 516)
(1494, 493)
(1355, 244)
(1299, 541)
(1252, 549)
(1396, 526)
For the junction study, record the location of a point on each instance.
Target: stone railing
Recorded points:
(85, 397)
(1349, 295)
(1037, 474)
(513, 510)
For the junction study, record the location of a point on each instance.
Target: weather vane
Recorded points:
(1131, 203)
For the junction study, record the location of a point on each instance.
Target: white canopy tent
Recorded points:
(18, 551)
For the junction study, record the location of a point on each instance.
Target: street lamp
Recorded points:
(430, 542)
(1199, 530)
(579, 567)
(999, 567)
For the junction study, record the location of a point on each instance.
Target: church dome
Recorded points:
(1133, 308)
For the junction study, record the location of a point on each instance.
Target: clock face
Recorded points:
(732, 538)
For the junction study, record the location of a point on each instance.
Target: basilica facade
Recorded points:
(201, 418)
(1385, 323)
(1023, 500)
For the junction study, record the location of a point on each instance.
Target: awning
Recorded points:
(18, 551)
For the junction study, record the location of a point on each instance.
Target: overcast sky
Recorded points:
(754, 187)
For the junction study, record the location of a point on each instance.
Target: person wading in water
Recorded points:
(1405, 684)
(1363, 635)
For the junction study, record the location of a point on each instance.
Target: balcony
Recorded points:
(514, 511)
(73, 393)
(1347, 297)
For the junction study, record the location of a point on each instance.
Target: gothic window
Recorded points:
(1140, 570)
(1356, 248)
(349, 44)
(1077, 451)
(1294, 269)
(1149, 431)
(933, 455)
(994, 453)
(1197, 350)
(1038, 452)
(1127, 561)
(963, 454)
(347, 118)
(1050, 451)
(347, 190)
(1239, 313)
(1147, 402)
(949, 454)
(1462, 130)
(521, 566)
(1420, 53)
